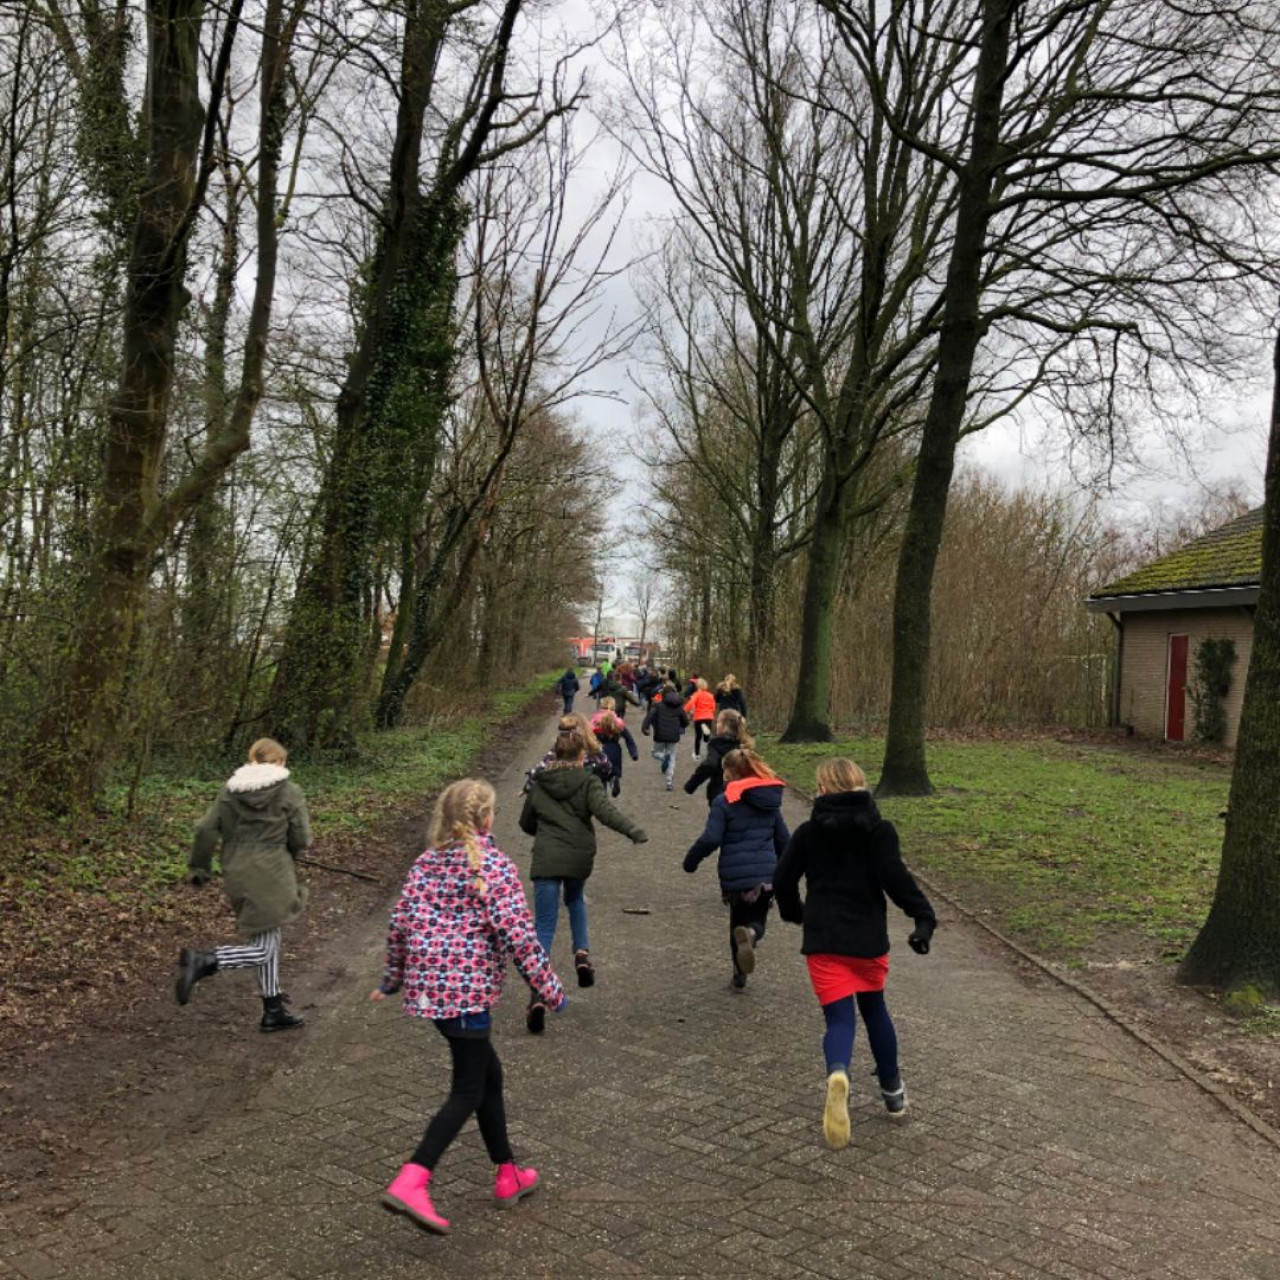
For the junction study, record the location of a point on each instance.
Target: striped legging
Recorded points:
(261, 952)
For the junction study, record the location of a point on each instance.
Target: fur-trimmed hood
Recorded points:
(256, 777)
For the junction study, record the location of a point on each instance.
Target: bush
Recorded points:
(1214, 662)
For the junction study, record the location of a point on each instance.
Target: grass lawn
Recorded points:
(1080, 851)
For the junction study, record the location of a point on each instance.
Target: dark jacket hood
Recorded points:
(561, 784)
(846, 811)
(673, 699)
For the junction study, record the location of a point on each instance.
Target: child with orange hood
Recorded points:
(746, 825)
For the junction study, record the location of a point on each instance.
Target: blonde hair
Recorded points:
(729, 683)
(701, 684)
(267, 751)
(733, 724)
(608, 704)
(576, 722)
(462, 808)
(840, 774)
(745, 763)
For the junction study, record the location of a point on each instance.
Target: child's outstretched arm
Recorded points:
(511, 923)
(529, 818)
(606, 811)
(786, 877)
(703, 773)
(901, 886)
(631, 742)
(299, 834)
(200, 860)
(710, 840)
(397, 951)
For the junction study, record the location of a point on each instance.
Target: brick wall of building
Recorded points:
(1145, 666)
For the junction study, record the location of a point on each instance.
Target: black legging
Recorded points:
(702, 733)
(476, 1086)
(755, 915)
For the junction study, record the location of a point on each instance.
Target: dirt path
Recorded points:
(136, 1070)
(677, 1126)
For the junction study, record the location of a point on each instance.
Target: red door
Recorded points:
(1175, 716)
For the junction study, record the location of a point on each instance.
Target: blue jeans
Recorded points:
(665, 754)
(546, 911)
(568, 702)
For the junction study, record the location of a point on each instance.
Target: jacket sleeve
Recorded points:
(703, 773)
(781, 836)
(397, 948)
(648, 718)
(786, 877)
(208, 829)
(711, 838)
(529, 818)
(299, 835)
(894, 877)
(631, 743)
(510, 923)
(606, 811)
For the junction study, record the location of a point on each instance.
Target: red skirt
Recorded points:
(835, 977)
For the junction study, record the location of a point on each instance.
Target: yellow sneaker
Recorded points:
(835, 1115)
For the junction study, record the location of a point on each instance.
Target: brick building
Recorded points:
(1163, 611)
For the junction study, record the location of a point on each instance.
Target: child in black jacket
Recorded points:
(730, 735)
(849, 858)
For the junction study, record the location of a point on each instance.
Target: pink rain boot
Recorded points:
(512, 1184)
(407, 1194)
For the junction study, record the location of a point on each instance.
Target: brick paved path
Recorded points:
(677, 1127)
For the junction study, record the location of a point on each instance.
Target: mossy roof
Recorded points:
(1228, 557)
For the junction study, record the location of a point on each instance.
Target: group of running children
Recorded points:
(462, 912)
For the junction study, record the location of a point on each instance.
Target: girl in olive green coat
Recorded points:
(558, 811)
(261, 819)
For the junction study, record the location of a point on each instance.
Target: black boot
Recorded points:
(275, 1017)
(192, 966)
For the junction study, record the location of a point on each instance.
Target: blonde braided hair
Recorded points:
(462, 808)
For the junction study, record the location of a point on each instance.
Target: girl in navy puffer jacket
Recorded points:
(746, 825)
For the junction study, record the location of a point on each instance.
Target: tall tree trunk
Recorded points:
(82, 717)
(810, 713)
(905, 771)
(79, 731)
(1240, 943)
(203, 599)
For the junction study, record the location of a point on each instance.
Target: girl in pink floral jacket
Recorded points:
(461, 915)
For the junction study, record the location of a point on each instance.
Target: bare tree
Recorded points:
(1110, 161)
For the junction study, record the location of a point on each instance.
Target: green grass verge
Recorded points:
(1077, 850)
(122, 857)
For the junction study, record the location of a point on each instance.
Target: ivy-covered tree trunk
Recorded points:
(905, 770)
(84, 710)
(320, 676)
(1239, 945)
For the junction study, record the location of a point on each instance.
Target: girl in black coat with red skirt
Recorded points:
(849, 858)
